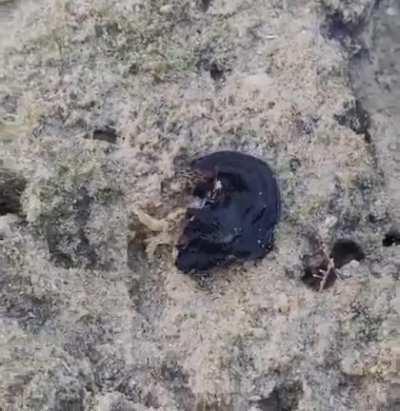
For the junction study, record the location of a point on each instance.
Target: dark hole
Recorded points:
(344, 251)
(367, 137)
(283, 398)
(134, 69)
(11, 188)
(204, 5)
(392, 237)
(216, 72)
(271, 403)
(294, 164)
(107, 134)
(336, 28)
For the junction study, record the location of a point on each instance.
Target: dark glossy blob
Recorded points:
(240, 207)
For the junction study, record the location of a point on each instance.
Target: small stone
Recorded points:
(331, 221)
(166, 9)
(391, 11)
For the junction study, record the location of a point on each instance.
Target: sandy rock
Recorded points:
(102, 103)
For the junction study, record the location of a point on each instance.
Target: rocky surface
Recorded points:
(102, 103)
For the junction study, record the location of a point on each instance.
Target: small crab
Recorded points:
(321, 268)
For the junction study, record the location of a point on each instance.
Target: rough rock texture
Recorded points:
(102, 102)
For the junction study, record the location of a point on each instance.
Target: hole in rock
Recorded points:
(344, 251)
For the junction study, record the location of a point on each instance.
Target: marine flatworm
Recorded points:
(238, 210)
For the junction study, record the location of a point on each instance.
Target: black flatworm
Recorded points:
(238, 211)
